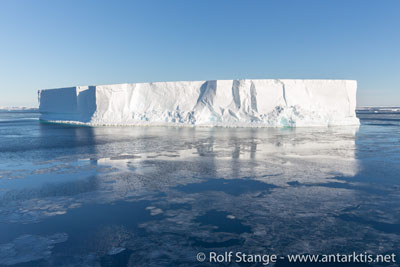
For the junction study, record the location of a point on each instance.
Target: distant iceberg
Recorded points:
(227, 103)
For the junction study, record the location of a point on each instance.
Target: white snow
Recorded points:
(229, 103)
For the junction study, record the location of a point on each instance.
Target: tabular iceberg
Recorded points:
(229, 103)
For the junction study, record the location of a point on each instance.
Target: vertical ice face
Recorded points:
(246, 103)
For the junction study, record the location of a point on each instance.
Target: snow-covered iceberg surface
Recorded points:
(258, 103)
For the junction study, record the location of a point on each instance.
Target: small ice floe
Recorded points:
(28, 248)
(115, 250)
(154, 211)
(124, 157)
(230, 217)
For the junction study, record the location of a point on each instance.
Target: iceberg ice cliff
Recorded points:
(243, 103)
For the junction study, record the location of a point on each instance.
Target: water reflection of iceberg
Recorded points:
(123, 162)
(273, 156)
(276, 189)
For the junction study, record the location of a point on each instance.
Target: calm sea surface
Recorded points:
(157, 196)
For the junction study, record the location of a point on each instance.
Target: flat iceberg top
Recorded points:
(203, 81)
(228, 103)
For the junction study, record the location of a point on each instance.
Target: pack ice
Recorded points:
(229, 103)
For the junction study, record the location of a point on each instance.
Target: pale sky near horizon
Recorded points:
(51, 44)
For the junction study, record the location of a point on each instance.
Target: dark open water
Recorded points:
(149, 196)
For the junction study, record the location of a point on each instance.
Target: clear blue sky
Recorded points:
(49, 44)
